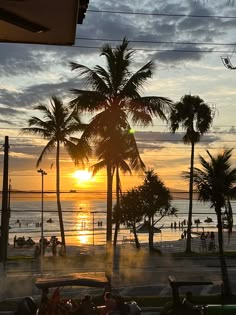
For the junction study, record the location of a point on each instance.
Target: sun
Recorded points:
(83, 176)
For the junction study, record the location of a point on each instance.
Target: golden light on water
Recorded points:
(82, 225)
(82, 237)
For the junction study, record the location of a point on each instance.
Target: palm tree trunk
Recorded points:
(109, 205)
(224, 271)
(58, 196)
(190, 210)
(150, 227)
(117, 225)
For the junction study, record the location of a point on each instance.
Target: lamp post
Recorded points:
(42, 172)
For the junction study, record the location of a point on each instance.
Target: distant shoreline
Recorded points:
(182, 195)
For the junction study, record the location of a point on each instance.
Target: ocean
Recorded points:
(85, 219)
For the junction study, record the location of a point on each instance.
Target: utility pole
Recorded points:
(42, 172)
(5, 208)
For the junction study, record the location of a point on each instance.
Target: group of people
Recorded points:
(207, 242)
(112, 305)
(53, 243)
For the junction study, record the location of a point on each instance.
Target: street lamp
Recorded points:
(42, 172)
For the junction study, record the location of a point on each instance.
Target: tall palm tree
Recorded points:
(119, 151)
(56, 126)
(216, 183)
(114, 92)
(194, 116)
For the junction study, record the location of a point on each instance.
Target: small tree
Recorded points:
(130, 211)
(156, 202)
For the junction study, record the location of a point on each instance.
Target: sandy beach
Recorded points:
(173, 246)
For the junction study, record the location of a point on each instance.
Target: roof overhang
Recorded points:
(51, 22)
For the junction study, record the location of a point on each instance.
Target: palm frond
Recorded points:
(87, 100)
(135, 83)
(98, 167)
(91, 78)
(78, 149)
(48, 148)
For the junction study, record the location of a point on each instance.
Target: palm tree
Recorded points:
(57, 125)
(156, 199)
(195, 117)
(216, 183)
(119, 151)
(114, 92)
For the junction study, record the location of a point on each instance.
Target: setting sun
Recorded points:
(83, 176)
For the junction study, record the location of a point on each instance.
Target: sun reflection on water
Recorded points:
(82, 226)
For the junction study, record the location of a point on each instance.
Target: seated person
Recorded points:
(189, 305)
(110, 304)
(87, 307)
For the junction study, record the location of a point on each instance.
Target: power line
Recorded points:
(156, 42)
(162, 14)
(159, 50)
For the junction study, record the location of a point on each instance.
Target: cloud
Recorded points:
(157, 138)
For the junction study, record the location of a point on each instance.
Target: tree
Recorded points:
(131, 211)
(114, 92)
(156, 200)
(216, 183)
(119, 150)
(195, 117)
(57, 125)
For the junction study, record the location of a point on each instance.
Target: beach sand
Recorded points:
(165, 247)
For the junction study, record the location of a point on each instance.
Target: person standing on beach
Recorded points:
(203, 246)
(14, 241)
(212, 245)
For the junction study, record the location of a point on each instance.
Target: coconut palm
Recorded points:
(194, 116)
(114, 93)
(119, 151)
(56, 126)
(216, 183)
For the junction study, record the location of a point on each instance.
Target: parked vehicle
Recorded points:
(177, 307)
(53, 303)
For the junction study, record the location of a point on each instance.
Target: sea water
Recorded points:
(84, 219)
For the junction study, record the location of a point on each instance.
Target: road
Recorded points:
(148, 274)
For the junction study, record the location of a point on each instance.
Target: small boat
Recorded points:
(208, 220)
(197, 221)
(49, 220)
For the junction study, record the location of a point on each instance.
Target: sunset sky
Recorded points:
(185, 38)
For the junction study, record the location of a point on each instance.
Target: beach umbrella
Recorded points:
(143, 228)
